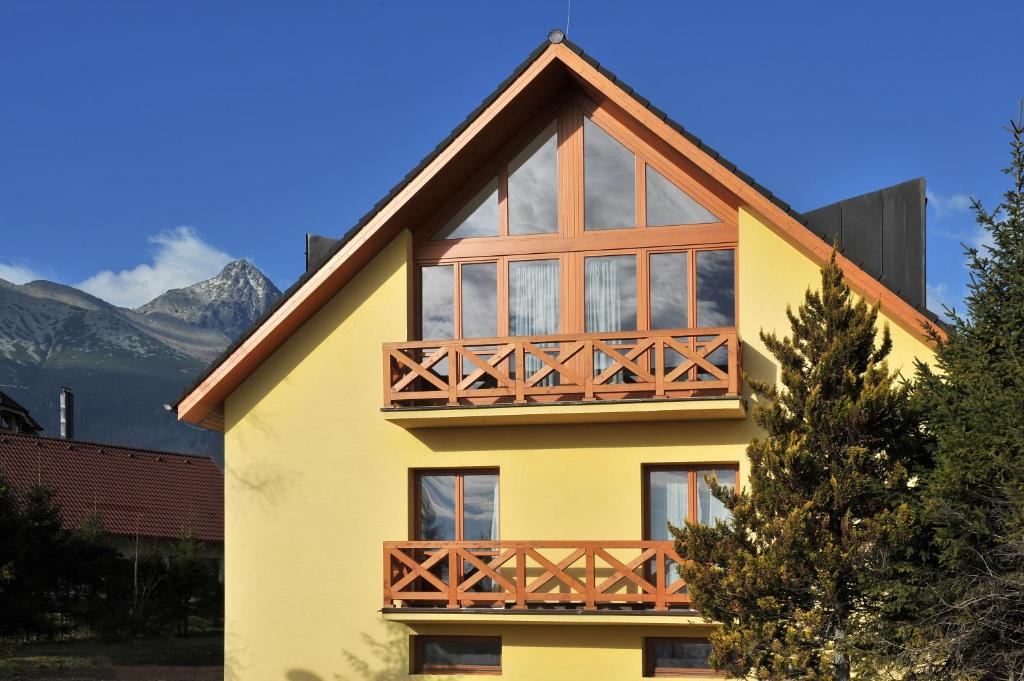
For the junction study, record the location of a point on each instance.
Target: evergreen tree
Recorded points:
(975, 408)
(803, 578)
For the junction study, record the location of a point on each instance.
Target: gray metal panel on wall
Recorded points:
(903, 240)
(884, 233)
(862, 231)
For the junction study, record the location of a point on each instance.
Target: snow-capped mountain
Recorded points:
(229, 302)
(123, 365)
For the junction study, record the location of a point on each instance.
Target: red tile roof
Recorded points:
(154, 494)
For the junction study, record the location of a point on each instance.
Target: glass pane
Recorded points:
(533, 307)
(710, 509)
(667, 204)
(533, 186)
(679, 654)
(611, 293)
(668, 497)
(670, 297)
(609, 172)
(716, 289)
(533, 297)
(477, 218)
(461, 651)
(480, 300)
(437, 302)
(480, 507)
(437, 508)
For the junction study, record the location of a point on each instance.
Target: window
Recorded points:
(670, 290)
(678, 657)
(610, 292)
(437, 302)
(716, 288)
(456, 505)
(667, 204)
(533, 186)
(477, 218)
(675, 493)
(609, 180)
(456, 655)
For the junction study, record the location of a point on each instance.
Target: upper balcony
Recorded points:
(672, 374)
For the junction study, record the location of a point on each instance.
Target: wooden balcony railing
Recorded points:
(566, 367)
(619, 575)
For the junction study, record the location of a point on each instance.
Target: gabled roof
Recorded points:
(8, 404)
(135, 491)
(553, 60)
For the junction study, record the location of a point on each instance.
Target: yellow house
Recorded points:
(455, 446)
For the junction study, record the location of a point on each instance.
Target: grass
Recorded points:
(196, 651)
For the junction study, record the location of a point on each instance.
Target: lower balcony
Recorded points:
(436, 580)
(673, 374)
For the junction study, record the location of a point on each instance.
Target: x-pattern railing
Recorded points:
(521, 575)
(589, 366)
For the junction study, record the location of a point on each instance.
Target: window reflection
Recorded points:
(436, 508)
(477, 218)
(667, 204)
(480, 300)
(609, 171)
(533, 186)
(716, 288)
(670, 297)
(710, 509)
(480, 507)
(437, 302)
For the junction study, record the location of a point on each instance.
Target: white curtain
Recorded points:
(533, 296)
(603, 306)
(677, 503)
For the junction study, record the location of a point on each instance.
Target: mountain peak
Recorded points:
(230, 301)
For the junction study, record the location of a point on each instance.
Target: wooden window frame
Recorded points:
(691, 469)
(572, 285)
(416, 656)
(459, 473)
(571, 242)
(649, 670)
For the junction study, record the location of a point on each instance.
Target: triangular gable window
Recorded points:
(533, 186)
(609, 171)
(667, 204)
(477, 218)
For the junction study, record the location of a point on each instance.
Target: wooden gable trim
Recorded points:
(796, 234)
(203, 405)
(210, 394)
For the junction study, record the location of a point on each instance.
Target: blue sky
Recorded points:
(142, 145)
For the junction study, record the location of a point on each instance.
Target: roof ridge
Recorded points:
(101, 445)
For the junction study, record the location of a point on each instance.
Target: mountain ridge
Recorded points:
(124, 364)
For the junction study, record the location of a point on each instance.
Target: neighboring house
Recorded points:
(590, 280)
(146, 499)
(14, 418)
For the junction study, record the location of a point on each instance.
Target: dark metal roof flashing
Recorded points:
(554, 37)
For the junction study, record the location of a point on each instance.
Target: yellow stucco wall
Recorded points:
(316, 480)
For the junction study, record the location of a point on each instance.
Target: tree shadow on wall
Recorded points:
(389, 661)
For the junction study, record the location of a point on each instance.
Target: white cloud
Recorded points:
(180, 258)
(940, 295)
(948, 205)
(18, 273)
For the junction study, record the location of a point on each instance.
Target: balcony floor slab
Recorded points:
(414, 616)
(682, 409)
